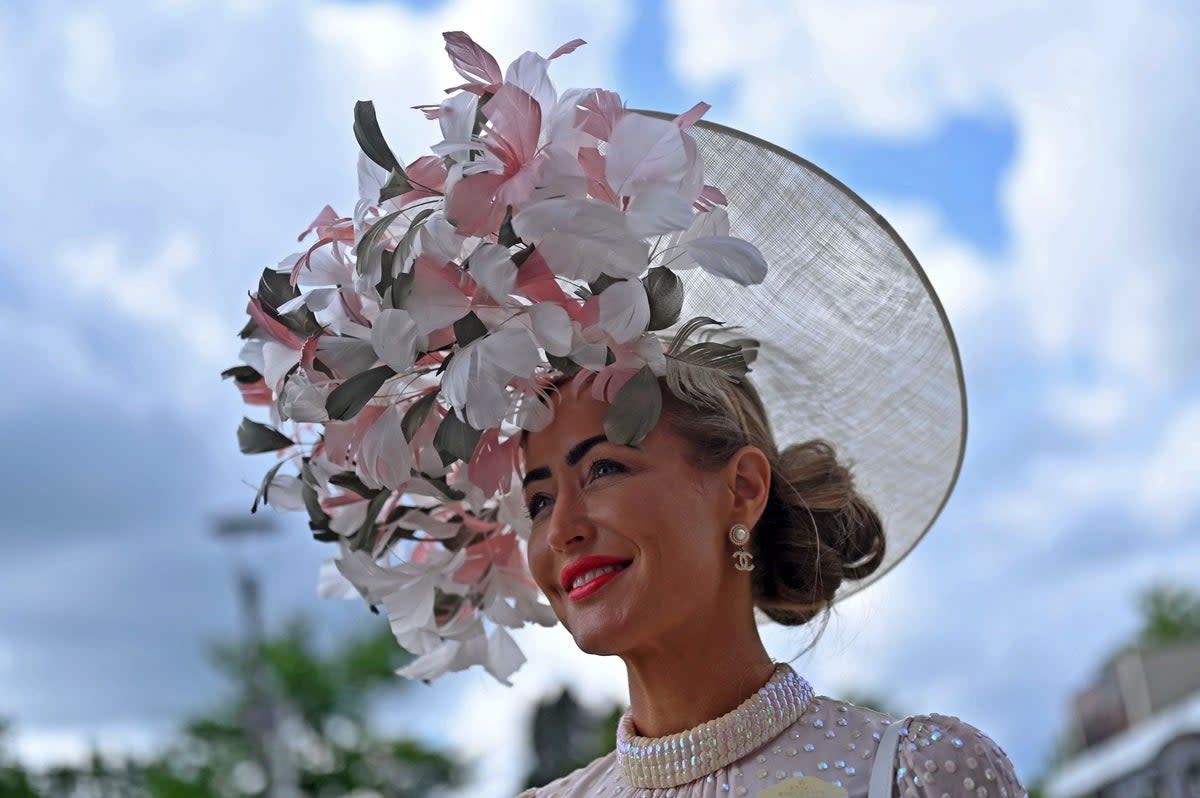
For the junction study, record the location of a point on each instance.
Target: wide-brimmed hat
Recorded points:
(854, 345)
(557, 235)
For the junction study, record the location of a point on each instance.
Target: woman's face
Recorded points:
(656, 523)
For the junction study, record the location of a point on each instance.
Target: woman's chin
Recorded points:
(599, 638)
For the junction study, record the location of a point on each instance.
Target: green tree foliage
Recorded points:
(14, 779)
(566, 736)
(294, 712)
(1170, 614)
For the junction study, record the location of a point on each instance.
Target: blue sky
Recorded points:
(1036, 159)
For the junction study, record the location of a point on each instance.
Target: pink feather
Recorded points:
(493, 463)
(692, 115)
(472, 204)
(569, 47)
(272, 327)
(599, 112)
(472, 61)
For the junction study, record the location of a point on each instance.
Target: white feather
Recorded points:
(624, 310)
(643, 149)
(582, 238)
(658, 209)
(493, 268)
(732, 258)
(395, 338)
(551, 327)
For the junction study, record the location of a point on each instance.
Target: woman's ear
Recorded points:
(749, 474)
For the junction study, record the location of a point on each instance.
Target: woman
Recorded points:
(544, 289)
(635, 547)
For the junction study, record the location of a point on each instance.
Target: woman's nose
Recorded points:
(569, 524)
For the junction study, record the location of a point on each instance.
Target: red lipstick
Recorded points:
(579, 567)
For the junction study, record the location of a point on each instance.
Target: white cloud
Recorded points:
(1096, 198)
(1082, 332)
(1092, 409)
(1170, 476)
(154, 292)
(89, 71)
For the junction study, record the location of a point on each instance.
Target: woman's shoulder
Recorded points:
(578, 782)
(930, 755)
(938, 754)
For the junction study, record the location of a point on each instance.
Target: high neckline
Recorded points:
(657, 762)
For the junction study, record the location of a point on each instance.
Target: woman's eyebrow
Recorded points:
(583, 447)
(535, 475)
(573, 457)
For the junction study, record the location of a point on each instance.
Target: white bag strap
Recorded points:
(881, 771)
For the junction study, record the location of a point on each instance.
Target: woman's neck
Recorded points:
(682, 683)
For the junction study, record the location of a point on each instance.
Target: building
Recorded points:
(1135, 731)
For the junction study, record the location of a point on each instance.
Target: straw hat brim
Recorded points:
(856, 347)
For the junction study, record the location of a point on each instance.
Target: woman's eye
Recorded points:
(536, 504)
(602, 468)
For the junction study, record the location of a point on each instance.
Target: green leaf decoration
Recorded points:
(480, 116)
(248, 329)
(698, 373)
(402, 287)
(564, 364)
(387, 259)
(362, 537)
(317, 517)
(453, 494)
(404, 248)
(350, 481)
(306, 473)
(396, 185)
(469, 328)
(301, 321)
(598, 285)
(416, 414)
(352, 395)
(370, 241)
(370, 137)
(455, 439)
(521, 255)
(635, 409)
(507, 237)
(325, 536)
(275, 288)
(242, 374)
(262, 496)
(255, 438)
(665, 291)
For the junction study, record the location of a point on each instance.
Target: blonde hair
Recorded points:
(816, 530)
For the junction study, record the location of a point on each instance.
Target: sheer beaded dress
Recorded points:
(784, 742)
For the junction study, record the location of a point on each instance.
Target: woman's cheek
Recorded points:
(537, 562)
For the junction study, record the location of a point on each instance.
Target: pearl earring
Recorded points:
(742, 559)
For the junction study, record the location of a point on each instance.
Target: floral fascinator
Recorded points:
(560, 241)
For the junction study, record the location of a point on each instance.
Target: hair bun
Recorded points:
(815, 532)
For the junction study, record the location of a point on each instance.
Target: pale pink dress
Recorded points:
(784, 742)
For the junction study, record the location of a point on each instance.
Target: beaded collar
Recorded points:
(657, 762)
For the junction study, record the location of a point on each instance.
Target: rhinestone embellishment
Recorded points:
(661, 762)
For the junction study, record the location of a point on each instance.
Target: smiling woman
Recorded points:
(639, 550)
(539, 298)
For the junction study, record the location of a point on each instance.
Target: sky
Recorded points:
(1037, 158)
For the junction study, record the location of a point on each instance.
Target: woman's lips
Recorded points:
(587, 589)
